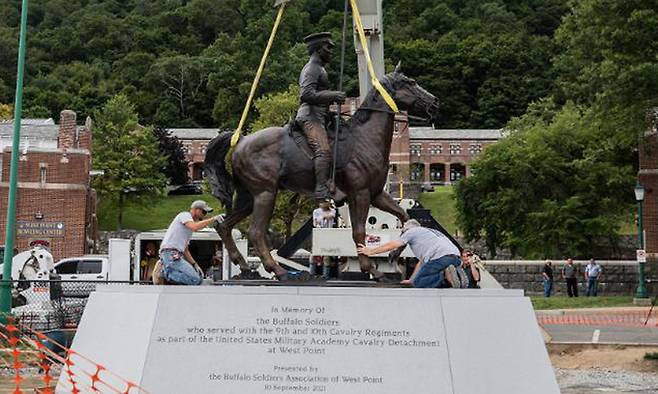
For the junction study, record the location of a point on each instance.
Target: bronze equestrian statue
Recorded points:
(315, 98)
(272, 159)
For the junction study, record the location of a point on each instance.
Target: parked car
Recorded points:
(190, 188)
(89, 267)
(427, 187)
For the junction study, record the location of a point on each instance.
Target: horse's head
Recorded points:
(410, 96)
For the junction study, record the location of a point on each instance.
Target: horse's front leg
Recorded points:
(260, 220)
(242, 207)
(359, 205)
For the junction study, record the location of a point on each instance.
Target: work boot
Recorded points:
(450, 274)
(463, 278)
(322, 164)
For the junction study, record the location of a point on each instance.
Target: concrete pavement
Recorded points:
(600, 325)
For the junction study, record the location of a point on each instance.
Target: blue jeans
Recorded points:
(177, 270)
(548, 287)
(591, 286)
(430, 274)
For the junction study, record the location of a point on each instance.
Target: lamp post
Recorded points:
(5, 286)
(639, 197)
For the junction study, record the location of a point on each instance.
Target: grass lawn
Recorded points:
(154, 216)
(580, 302)
(442, 204)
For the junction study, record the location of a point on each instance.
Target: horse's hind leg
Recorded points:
(243, 205)
(263, 208)
(386, 203)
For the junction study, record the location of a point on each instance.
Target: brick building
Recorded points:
(55, 201)
(194, 144)
(419, 155)
(424, 155)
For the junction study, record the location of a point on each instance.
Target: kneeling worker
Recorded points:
(179, 266)
(438, 257)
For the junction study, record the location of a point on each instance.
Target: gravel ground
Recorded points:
(591, 381)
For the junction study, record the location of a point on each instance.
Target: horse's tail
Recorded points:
(219, 177)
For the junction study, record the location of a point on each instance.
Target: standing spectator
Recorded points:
(570, 274)
(547, 274)
(323, 217)
(593, 273)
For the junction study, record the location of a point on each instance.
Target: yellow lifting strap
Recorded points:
(254, 85)
(371, 70)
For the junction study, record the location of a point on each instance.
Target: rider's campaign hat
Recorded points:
(201, 205)
(318, 38)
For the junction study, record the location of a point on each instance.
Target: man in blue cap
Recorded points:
(315, 98)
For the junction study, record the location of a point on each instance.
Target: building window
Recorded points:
(43, 168)
(417, 171)
(437, 172)
(393, 168)
(457, 172)
(416, 149)
(455, 149)
(436, 149)
(475, 149)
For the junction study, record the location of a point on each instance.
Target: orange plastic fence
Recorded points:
(81, 374)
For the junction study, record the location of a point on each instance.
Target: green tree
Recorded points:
(485, 60)
(276, 109)
(128, 155)
(610, 62)
(553, 187)
(6, 112)
(176, 169)
(181, 80)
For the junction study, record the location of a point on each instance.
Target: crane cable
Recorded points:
(254, 85)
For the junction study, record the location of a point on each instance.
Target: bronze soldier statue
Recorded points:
(315, 98)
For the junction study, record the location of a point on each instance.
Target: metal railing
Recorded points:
(44, 305)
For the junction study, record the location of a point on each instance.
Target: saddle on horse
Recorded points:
(296, 134)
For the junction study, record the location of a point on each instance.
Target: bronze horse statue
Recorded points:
(269, 160)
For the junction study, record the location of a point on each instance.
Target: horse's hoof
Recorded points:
(386, 280)
(248, 275)
(295, 276)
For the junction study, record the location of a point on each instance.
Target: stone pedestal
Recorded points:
(243, 339)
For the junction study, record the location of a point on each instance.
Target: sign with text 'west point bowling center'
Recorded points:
(40, 229)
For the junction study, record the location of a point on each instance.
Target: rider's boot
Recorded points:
(322, 164)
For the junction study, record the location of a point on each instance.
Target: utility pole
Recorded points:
(372, 17)
(5, 286)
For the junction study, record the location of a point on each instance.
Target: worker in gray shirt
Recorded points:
(438, 257)
(178, 264)
(570, 274)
